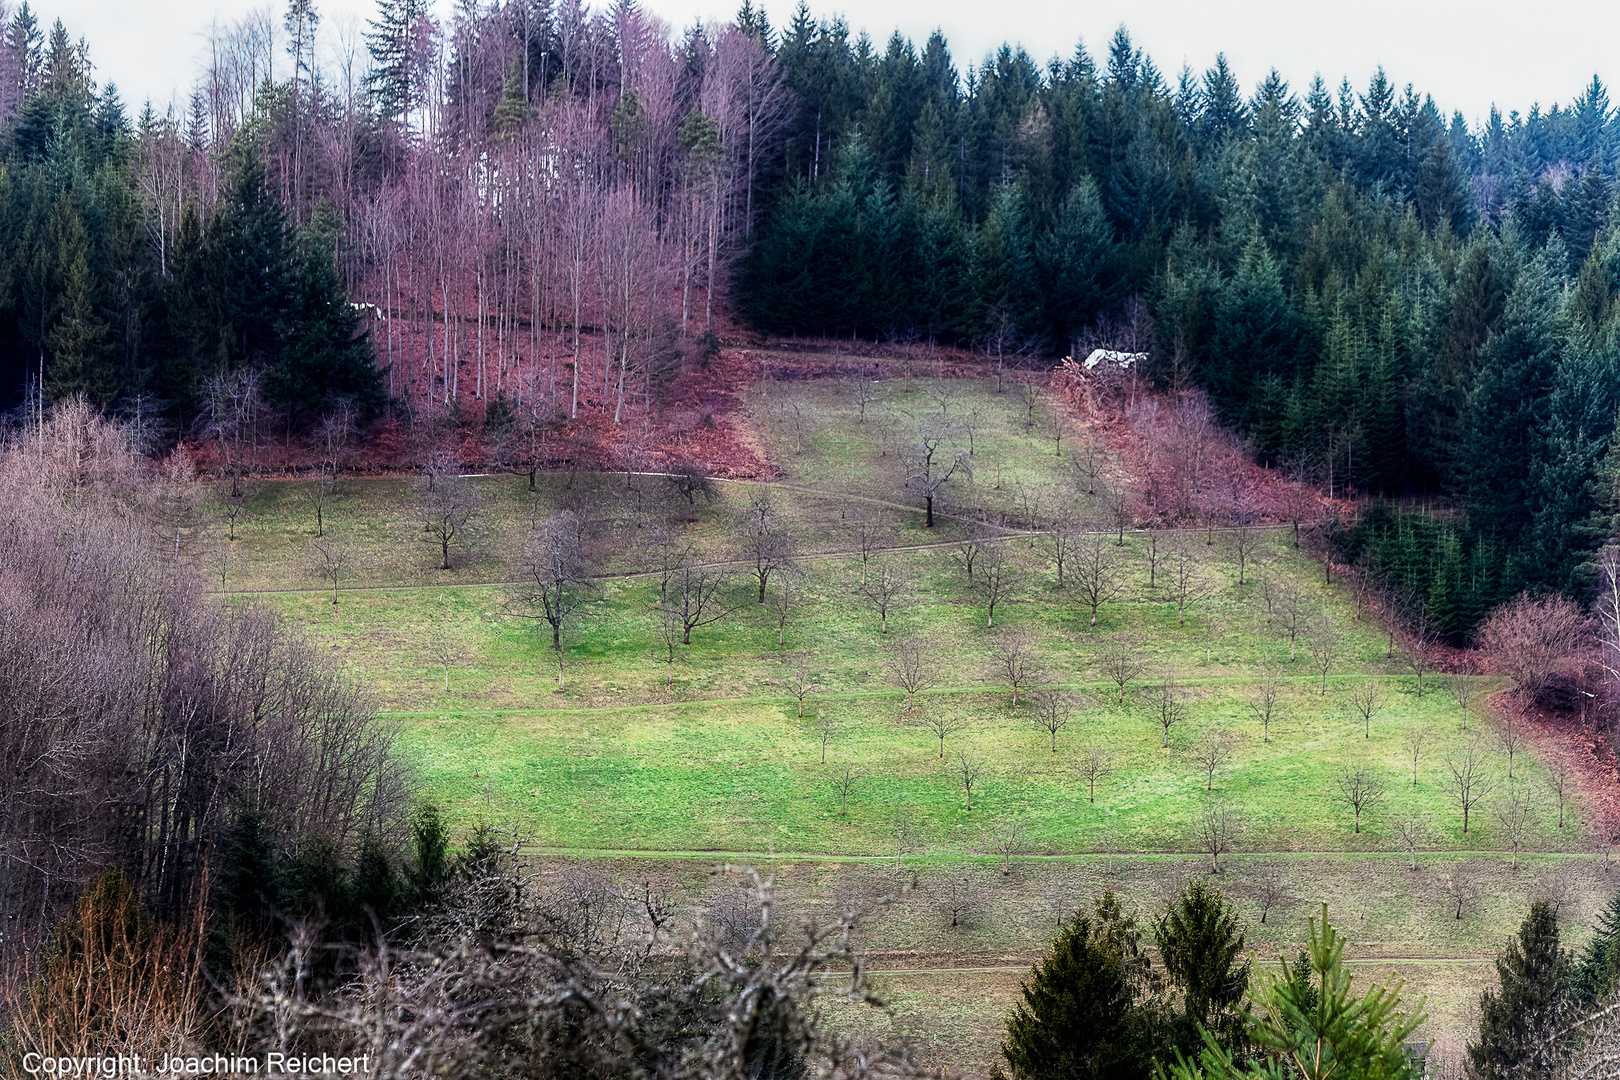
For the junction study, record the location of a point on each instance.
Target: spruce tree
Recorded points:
(1091, 1008)
(1520, 1023)
(1202, 948)
(1597, 975)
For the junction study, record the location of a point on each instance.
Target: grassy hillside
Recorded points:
(707, 758)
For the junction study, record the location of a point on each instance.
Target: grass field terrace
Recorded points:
(661, 772)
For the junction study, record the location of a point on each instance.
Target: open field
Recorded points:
(661, 770)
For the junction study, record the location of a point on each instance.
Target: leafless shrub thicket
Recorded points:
(135, 714)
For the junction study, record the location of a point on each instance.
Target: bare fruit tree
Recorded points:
(1460, 887)
(1169, 704)
(1265, 701)
(795, 676)
(1411, 829)
(1099, 572)
(1061, 544)
(1360, 789)
(788, 602)
(1188, 584)
(1270, 888)
(1470, 780)
(331, 562)
(1211, 751)
(1323, 644)
(1246, 545)
(318, 498)
(884, 588)
(1510, 733)
(871, 534)
(1415, 738)
(560, 571)
(844, 782)
(234, 506)
(1054, 711)
(1293, 617)
(446, 510)
(1010, 840)
(1094, 764)
(1421, 645)
(1124, 661)
(764, 544)
(932, 461)
(1514, 815)
(1015, 651)
(1216, 831)
(941, 721)
(1463, 689)
(1367, 698)
(694, 596)
(970, 766)
(999, 580)
(910, 666)
(827, 729)
(1561, 782)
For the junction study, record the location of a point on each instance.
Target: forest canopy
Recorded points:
(536, 209)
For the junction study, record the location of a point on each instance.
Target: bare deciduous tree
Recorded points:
(1061, 544)
(1460, 888)
(1054, 711)
(1099, 572)
(234, 506)
(1529, 639)
(1514, 815)
(1188, 584)
(1217, 830)
(556, 561)
(1270, 888)
(1415, 738)
(1323, 644)
(1359, 788)
(1560, 781)
(1015, 652)
(1470, 782)
(1094, 764)
(689, 481)
(884, 589)
(1169, 704)
(331, 563)
(1246, 545)
(318, 497)
(1265, 700)
(1010, 840)
(910, 666)
(446, 510)
(971, 767)
(1123, 661)
(827, 729)
(1211, 751)
(795, 676)
(999, 580)
(1367, 698)
(931, 463)
(1510, 733)
(1411, 829)
(1421, 644)
(1463, 689)
(844, 782)
(788, 601)
(1293, 617)
(764, 544)
(940, 721)
(871, 534)
(695, 599)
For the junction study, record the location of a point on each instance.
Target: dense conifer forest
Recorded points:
(549, 211)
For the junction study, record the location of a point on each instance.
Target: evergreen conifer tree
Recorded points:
(1520, 1022)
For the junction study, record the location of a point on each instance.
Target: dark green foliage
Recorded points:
(1092, 1008)
(324, 357)
(1520, 1023)
(1202, 950)
(430, 843)
(1597, 975)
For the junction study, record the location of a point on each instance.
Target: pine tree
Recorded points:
(1519, 1023)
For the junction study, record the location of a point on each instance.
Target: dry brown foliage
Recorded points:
(1531, 638)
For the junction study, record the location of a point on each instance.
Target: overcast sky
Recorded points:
(1466, 53)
